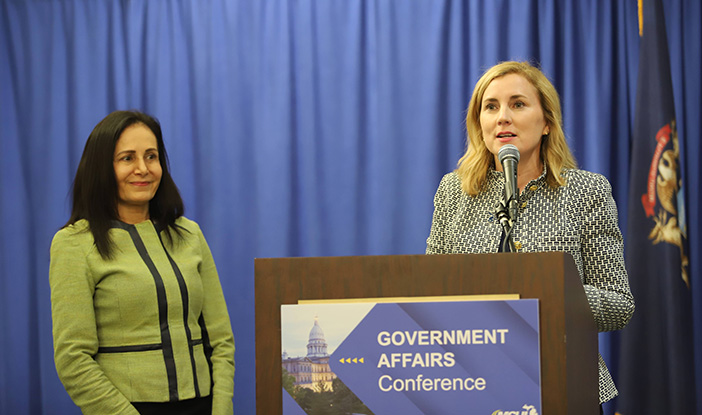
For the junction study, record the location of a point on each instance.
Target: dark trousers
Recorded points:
(197, 406)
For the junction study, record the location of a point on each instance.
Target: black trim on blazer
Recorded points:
(139, 347)
(186, 304)
(162, 310)
(128, 349)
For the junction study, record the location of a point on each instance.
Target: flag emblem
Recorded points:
(665, 185)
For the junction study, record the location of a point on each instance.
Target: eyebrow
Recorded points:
(491, 99)
(134, 151)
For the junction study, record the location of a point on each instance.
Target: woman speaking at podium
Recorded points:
(552, 206)
(139, 319)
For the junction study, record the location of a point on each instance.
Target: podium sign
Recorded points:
(462, 357)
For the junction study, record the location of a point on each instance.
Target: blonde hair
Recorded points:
(555, 154)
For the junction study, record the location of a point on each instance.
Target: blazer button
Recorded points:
(533, 187)
(517, 245)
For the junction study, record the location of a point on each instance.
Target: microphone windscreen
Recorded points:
(508, 151)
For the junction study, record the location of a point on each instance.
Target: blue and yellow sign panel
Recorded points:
(466, 357)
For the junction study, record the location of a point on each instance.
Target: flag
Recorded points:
(656, 369)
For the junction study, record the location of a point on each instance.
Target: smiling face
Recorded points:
(137, 171)
(511, 113)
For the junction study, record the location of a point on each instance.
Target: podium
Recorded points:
(568, 334)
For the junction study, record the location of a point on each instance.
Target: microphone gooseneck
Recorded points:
(509, 159)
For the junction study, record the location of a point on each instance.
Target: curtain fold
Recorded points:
(296, 128)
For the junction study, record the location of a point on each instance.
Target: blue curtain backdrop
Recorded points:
(297, 128)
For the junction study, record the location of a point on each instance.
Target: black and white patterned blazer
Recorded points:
(579, 218)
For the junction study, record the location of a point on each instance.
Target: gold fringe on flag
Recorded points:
(640, 17)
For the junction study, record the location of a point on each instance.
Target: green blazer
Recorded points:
(149, 325)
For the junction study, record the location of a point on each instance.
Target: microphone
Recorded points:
(509, 158)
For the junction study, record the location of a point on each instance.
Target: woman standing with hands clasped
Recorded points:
(560, 208)
(139, 319)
